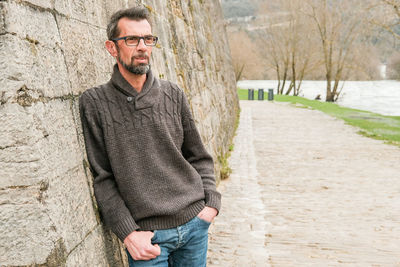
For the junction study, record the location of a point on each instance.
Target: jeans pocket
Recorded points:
(203, 221)
(154, 236)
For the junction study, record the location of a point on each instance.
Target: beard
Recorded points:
(140, 69)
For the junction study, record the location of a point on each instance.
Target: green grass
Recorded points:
(225, 170)
(243, 94)
(371, 124)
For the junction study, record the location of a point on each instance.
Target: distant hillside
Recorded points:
(248, 21)
(238, 8)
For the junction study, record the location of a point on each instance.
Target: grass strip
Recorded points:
(371, 124)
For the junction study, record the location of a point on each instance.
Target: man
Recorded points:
(153, 179)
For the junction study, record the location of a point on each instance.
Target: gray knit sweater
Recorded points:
(150, 168)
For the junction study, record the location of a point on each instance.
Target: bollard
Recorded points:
(260, 94)
(251, 94)
(270, 94)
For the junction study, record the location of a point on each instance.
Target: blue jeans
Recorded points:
(185, 245)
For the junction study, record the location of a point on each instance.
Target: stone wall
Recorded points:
(50, 52)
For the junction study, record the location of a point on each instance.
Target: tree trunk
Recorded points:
(290, 88)
(284, 80)
(298, 87)
(238, 71)
(279, 78)
(297, 90)
(329, 95)
(294, 74)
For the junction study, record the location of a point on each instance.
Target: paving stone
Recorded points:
(306, 190)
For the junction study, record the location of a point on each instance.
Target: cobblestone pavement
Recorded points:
(306, 190)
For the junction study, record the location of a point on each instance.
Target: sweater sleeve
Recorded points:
(111, 205)
(195, 153)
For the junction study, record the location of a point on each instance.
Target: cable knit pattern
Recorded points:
(150, 168)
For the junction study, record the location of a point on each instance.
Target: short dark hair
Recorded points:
(134, 13)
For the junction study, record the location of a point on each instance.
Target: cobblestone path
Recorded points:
(306, 190)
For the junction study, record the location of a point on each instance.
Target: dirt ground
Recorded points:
(306, 190)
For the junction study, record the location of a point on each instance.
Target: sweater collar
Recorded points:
(147, 96)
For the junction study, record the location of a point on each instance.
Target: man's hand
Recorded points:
(139, 245)
(208, 214)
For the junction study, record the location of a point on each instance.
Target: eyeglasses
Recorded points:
(133, 40)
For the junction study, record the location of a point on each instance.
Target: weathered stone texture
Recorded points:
(88, 11)
(42, 70)
(86, 66)
(44, 194)
(50, 52)
(41, 27)
(94, 243)
(41, 3)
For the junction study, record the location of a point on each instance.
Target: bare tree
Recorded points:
(238, 68)
(275, 44)
(339, 24)
(246, 57)
(288, 44)
(394, 67)
(386, 14)
(302, 42)
(301, 39)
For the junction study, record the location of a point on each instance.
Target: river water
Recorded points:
(381, 97)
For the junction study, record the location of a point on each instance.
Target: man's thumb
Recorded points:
(157, 250)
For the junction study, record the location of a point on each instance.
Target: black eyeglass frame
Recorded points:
(139, 38)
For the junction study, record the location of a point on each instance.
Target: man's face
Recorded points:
(135, 59)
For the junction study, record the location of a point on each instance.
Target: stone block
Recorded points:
(43, 166)
(81, 143)
(14, 125)
(20, 158)
(112, 6)
(58, 208)
(2, 18)
(87, 11)
(88, 61)
(41, 69)
(72, 9)
(96, 12)
(185, 9)
(39, 141)
(68, 196)
(162, 30)
(132, 3)
(42, 3)
(90, 252)
(163, 62)
(70, 206)
(158, 8)
(156, 62)
(27, 232)
(171, 65)
(180, 36)
(103, 61)
(9, 88)
(36, 26)
(60, 148)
